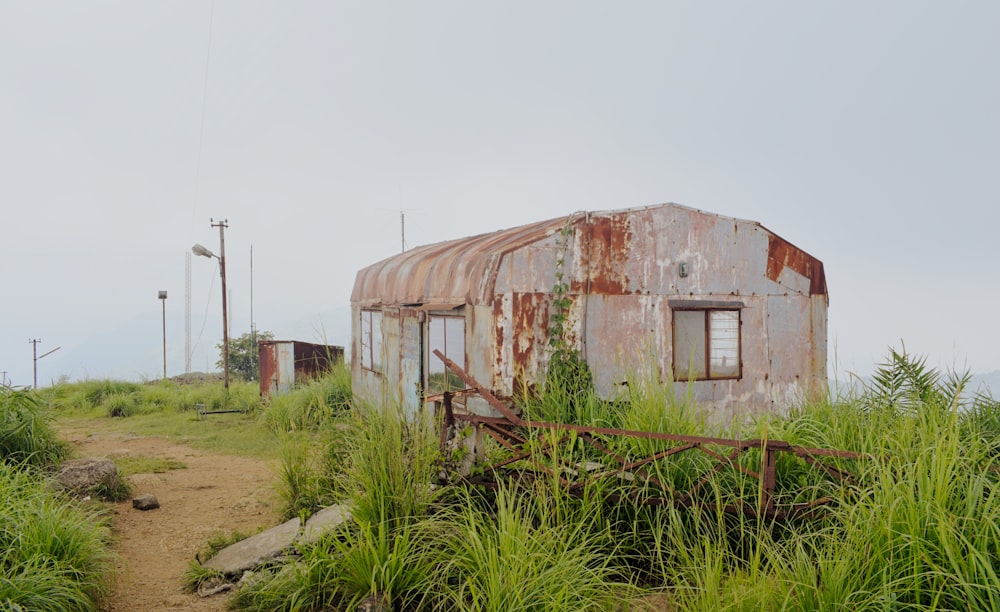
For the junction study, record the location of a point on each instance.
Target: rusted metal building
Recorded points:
(727, 309)
(284, 363)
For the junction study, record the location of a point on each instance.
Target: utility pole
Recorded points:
(222, 225)
(187, 313)
(203, 252)
(35, 357)
(254, 353)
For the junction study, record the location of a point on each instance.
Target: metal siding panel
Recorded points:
(529, 327)
(622, 339)
(285, 371)
(411, 365)
(266, 365)
(791, 346)
(392, 352)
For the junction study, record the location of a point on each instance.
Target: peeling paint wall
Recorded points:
(623, 270)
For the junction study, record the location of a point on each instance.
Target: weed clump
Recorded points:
(25, 434)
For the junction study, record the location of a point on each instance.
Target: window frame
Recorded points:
(706, 373)
(447, 375)
(371, 355)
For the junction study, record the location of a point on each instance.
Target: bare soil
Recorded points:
(213, 495)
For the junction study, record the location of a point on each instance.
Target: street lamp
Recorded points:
(203, 252)
(163, 300)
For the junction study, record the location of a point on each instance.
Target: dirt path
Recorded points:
(213, 495)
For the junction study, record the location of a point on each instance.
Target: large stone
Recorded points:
(322, 522)
(255, 550)
(82, 475)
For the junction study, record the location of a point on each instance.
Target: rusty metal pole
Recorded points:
(163, 301)
(770, 449)
(222, 225)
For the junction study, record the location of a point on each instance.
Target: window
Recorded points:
(445, 334)
(371, 340)
(706, 343)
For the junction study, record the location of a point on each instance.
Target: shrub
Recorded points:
(55, 555)
(25, 433)
(311, 406)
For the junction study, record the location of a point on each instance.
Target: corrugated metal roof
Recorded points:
(445, 272)
(464, 270)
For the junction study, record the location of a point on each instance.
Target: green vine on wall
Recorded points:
(568, 372)
(558, 334)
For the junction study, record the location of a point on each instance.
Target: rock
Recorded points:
(322, 522)
(375, 603)
(82, 475)
(214, 586)
(253, 551)
(145, 501)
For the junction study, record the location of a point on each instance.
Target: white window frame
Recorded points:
(435, 365)
(371, 340)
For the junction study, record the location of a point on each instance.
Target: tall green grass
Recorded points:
(54, 554)
(26, 437)
(516, 553)
(383, 464)
(312, 405)
(124, 399)
(917, 528)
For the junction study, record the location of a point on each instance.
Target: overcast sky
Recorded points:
(866, 133)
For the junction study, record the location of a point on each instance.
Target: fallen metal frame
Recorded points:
(531, 449)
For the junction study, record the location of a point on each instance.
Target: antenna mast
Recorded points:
(187, 312)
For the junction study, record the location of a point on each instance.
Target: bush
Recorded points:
(25, 433)
(311, 406)
(55, 555)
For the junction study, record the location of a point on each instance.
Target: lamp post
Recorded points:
(203, 252)
(163, 301)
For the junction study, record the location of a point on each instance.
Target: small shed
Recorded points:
(731, 312)
(285, 363)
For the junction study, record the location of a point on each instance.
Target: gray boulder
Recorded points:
(81, 475)
(322, 522)
(251, 552)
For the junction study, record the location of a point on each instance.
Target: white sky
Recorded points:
(866, 133)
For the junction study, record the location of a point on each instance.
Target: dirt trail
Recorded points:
(214, 494)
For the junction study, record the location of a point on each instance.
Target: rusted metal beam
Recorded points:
(491, 399)
(505, 431)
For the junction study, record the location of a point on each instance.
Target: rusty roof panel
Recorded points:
(631, 251)
(444, 271)
(782, 254)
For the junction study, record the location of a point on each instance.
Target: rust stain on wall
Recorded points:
(782, 254)
(606, 251)
(529, 318)
(498, 331)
